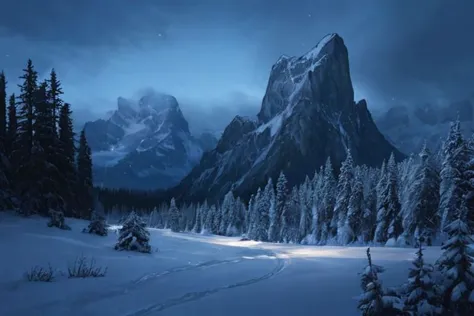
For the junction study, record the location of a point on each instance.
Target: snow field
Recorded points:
(190, 274)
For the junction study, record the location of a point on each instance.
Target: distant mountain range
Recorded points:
(145, 144)
(408, 127)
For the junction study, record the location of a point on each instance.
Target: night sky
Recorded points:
(215, 55)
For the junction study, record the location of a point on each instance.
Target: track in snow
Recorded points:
(282, 262)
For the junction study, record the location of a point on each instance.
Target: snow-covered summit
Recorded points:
(290, 75)
(144, 138)
(308, 113)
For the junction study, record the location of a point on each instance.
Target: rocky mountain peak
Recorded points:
(308, 113)
(290, 77)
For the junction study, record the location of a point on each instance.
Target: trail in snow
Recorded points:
(282, 263)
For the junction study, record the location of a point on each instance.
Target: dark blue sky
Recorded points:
(215, 55)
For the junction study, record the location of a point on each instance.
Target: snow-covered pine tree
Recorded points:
(197, 220)
(175, 217)
(305, 210)
(97, 224)
(369, 215)
(422, 220)
(389, 222)
(233, 216)
(133, 235)
(263, 203)
(290, 218)
(318, 186)
(239, 221)
(226, 209)
(407, 173)
(422, 295)
(274, 230)
(344, 191)
(210, 219)
(328, 196)
(373, 301)
(56, 219)
(450, 187)
(250, 216)
(204, 212)
(216, 219)
(456, 266)
(352, 227)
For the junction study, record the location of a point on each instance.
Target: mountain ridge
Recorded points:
(144, 144)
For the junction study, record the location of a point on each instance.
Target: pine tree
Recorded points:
(456, 266)
(198, 220)
(274, 231)
(422, 297)
(369, 215)
(451, 180)
(66, 160)
(97, 224)
(306, 216)
(175, 216)
(373, 302)
(353, 224)
(389, 222)
(422, 220)
(133, 235)
(290, 218)
(22, 156)
(344, 191)
(251, 217)
(12, 126)
(54, 95)
(262, 206)
(328, 195)
(3, 108)
(227, 216)
(84, 176)
(47, 174)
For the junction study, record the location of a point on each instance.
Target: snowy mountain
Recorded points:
(144, 144)
(308, 113)
(407, 127)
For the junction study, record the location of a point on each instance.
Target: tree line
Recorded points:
(42, 166)
(395, 204)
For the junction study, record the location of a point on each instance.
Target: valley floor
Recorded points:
(187, 274)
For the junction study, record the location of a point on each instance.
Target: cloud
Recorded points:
(207, 52)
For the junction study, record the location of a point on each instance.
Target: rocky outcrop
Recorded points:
(308, 113)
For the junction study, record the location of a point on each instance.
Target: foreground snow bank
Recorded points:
(186, 274)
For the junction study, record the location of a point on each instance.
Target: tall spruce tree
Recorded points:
(450, 187)
(44, 162)
(66, 159)
(422, 220)
(54, 95)
(274, 231)
(456, 266)
(84, 176)
(389, 222)
(22, 156)
(422, 295)
(12, 126)
(344, 191)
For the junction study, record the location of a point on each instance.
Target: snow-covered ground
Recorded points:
(187, 274)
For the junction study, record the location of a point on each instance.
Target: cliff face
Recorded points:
(308, 113)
